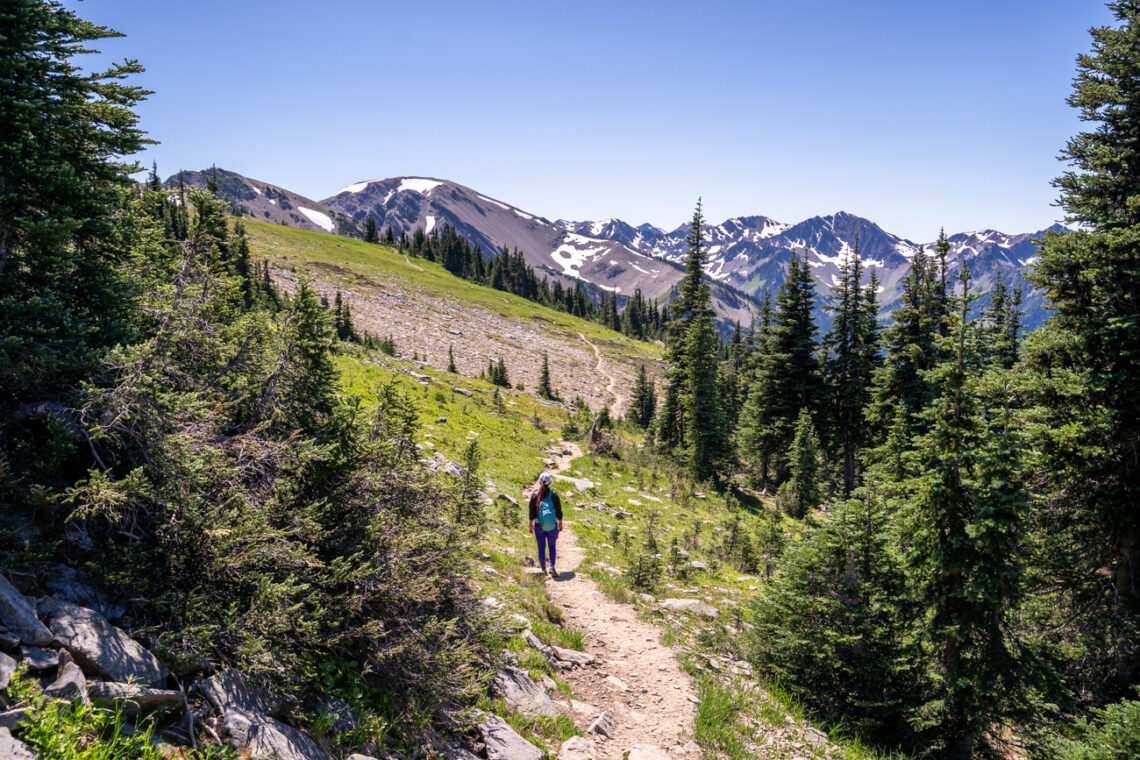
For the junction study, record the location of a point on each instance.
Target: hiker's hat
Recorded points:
(544, 478)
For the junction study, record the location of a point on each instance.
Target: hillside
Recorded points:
(426, 310)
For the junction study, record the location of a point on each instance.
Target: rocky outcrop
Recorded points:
(7, 668)
(503, 743)
(522, 693)
(18, 616)
(12, 748)
(100, 647)
(692, 606)
(260, 737)
(70, 685)
(228, 690)
(578, 748)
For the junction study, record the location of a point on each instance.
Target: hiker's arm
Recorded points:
(557, 509)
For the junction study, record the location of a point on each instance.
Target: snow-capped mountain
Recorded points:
(752, 253)
(408, 203)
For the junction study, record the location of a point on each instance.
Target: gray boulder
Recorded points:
(578, 748)
(132, 698)
(503, 743)
(71, 585)
(260, 737)
(100, 647)
(7, 668)
(228, 690)
(70, 685)
(39, 659)
(8, 640)
(692, 606)
(454, 752)
(13, 749)
(9, 719)
(521, 692)
(573, 656)
(646, 752)
(603, 725)
(19, 617)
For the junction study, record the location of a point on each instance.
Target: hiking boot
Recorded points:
(553, 572)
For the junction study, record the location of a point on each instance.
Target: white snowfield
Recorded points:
(418, 185)
(357, 187)
(429, 225)
(492, 200)
(576, 251)
(316, 217)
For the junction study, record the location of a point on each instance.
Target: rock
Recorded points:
(71, 585)
(7, 668)
(452, 752)
(39, 659)
(13, 749)
(529, 561)
(521, 621)
(260, 737)
(8, 640)
(463, 391)
(19, 617)
(9, 719)
(697, 565)
(583, 710)
(509, 499)
(358, 756)
(69, 686)
(548, 683)
(692, 606)
(441, 421)
(522, 693)
(693, 698)
(100, 647)
(815, 736)
(455, 469)
(228, 690)
(578, 748)
(503, 743)
(491, 603)
(573, 656)
(133, 698)
(615, 683)
(603, 725)
(646, 752)
(645, 597)
(344, 718)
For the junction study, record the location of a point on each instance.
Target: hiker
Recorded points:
(545, 520)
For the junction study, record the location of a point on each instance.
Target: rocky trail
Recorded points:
(611, 388)
(631, 696)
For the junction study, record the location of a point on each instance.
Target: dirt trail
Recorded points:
(611, 389)
(654, 707)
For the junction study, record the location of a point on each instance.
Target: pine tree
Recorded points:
(371, 233)
(64, 295)
(643, 400)
(802, 493)
(757, 436)
(544, 390)
(965, 560)
(692, 401)
(451, 361)
(852, 355)
(1086, 363)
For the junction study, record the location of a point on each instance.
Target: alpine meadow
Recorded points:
(411, 473)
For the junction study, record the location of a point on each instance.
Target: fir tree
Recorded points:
(371, 233)
(1086, 364)
(451, 361)
(544, 390)
(802, 493)
(643, 401)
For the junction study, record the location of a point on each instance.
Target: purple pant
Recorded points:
(544, 538)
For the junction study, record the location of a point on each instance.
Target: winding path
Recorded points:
(611, 388)
(635, 679)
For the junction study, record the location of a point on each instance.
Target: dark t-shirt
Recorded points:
(533, 505)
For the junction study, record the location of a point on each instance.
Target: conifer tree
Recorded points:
(451, 361)
(693, 398)
(643, 400)
(965, 560)
(757, 437)
(371, 233)
(544, 390)
(1086, 364)
(852, 355)
(802, 493)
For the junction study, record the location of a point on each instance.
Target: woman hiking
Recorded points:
(545, 520)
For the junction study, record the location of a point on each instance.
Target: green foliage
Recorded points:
(643, 400)
(497, 373)
(644, 572)
(544, 389)
(1113, 735)
(801, 493)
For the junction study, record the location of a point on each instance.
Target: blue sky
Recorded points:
(917, 115)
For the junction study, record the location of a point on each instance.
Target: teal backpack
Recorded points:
(547, 519)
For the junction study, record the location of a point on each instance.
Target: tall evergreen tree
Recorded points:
(643, 400)
(1086, 364)
(852, 355)
(802, 493)
(695, 405)
(371, 233)
(544, 389)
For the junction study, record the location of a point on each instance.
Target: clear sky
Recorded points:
(917, 114)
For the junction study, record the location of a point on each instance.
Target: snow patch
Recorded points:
(429, 224)
(273, 201)
(524, 215)
(418, 185)
(576, 251)
(357, 187)
(316, 217)
(654, 273)
(609, 288)
(492, 200)
(256, 189)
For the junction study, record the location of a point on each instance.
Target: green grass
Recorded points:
(354, 264)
